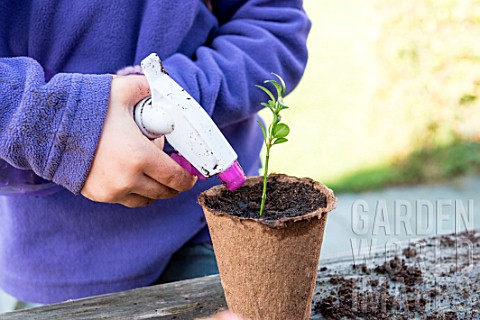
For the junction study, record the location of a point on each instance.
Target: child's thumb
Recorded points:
(159, 142)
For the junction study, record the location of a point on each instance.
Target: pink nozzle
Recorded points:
(187, 166)
(233, 178)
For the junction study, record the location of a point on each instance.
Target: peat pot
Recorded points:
(268, 265)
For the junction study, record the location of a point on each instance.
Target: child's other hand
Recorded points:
(225, 315)
(128, 168)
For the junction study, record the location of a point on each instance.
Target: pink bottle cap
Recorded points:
(233, 178)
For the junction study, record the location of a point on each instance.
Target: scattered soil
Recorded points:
(396, 289)
(350, 304)
(410, 252)
(361, 267)
(448, 315)
(283, 200)
(376, 303)
(397, 270)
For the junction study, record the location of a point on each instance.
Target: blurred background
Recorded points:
(390, 96)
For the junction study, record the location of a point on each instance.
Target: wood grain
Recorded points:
(449, 267)
(190, 299)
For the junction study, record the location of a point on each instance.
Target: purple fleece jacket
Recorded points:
(54, 88)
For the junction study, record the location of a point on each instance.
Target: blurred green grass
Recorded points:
(389, 96)
(427, 165)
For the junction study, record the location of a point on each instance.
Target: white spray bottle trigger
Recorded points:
(186, 126)
(155, 126)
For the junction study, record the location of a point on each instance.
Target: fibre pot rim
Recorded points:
(331, 201)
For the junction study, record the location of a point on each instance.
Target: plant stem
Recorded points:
(276, 132)
(265, 178)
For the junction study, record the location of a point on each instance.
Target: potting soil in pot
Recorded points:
(283, 200)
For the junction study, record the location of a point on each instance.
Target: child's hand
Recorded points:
(225, 315)
(128, 168)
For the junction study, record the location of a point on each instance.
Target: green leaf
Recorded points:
(284, 87)
(273, 105)
(280, 140)
(281, 105)
(267, 105)
(277, 86)
(270, 94)
(264, 131)
(275, 121)
(281, 130)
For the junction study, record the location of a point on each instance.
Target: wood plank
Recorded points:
(189, 299)
(449, 282)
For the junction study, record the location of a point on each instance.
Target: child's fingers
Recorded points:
(160, 167)
(135, 201)
(226, 315)
(149, 188)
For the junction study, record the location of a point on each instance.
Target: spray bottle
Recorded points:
(172, 112)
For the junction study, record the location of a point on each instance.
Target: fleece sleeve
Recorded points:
(254, 39)
(51, 128)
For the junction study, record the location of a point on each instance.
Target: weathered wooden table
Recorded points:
(434, 278)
